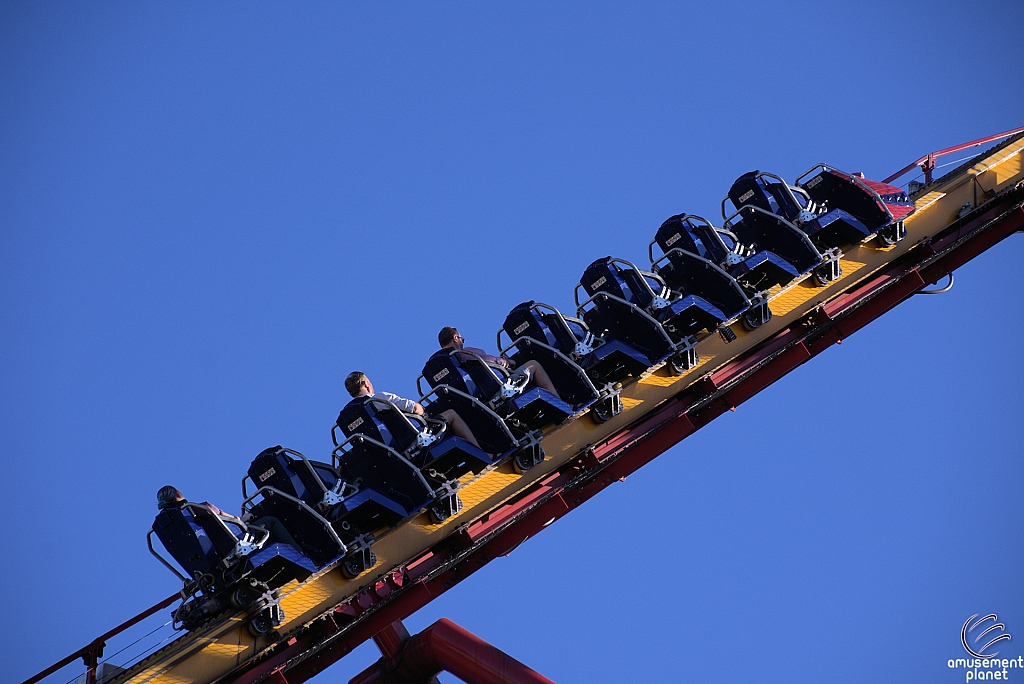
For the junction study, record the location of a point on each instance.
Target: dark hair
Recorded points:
(354, 382)
(167, 496)
(446, 335)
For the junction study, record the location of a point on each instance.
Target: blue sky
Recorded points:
(210, 213)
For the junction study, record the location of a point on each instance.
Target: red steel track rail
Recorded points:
(927, 162)
(92, 653)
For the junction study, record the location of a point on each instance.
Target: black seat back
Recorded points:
(691, 234)
(766, 192)
(463, 372)
(526, 321)
(378, 420)
(276, 467)
(194, 537)
(605, 275)
(544, 324)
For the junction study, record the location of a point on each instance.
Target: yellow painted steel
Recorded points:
(213, 651)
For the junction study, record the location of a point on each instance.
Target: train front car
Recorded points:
(849, 208)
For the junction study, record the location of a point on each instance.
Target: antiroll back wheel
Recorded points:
(683, 361)
(352, 567)
(358, 563)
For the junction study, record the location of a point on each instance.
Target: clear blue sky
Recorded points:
(211, 212)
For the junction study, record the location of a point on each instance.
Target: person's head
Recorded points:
(168, 496)
(450, 337)
(357, 383)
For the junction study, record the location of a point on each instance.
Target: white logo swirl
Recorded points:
(968, 627)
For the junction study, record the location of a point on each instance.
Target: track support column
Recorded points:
(444, 646)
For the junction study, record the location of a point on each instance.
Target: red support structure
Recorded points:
(446, 647)
(390, 641)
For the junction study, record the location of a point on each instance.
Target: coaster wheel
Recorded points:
(682, 362)
(601, 412)
(441, 510)
(260, 624)
(756, 317)
(527, 458)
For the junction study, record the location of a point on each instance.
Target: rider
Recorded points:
(451, 338)
(170, 497)
(358, 385)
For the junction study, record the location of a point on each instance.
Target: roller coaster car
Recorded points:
(305, 496)
(768, 249)
(606, 361)
(495, 435)
(568, 377)
(422, 440)
(390, 488)
(224, 569)
(637, 308)
(533, 326)
(880, 207)
(693, 254)
(499, 389)
(833, 208)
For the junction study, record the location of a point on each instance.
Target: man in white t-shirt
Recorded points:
(358, 385)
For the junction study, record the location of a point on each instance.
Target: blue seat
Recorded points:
(767, 248)
(424, 442)
(610, 317)
(692, 263)
(495, 387)
(569, 377)
(491, 431)
(305, 496)
(389, 487)
(605, 360)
